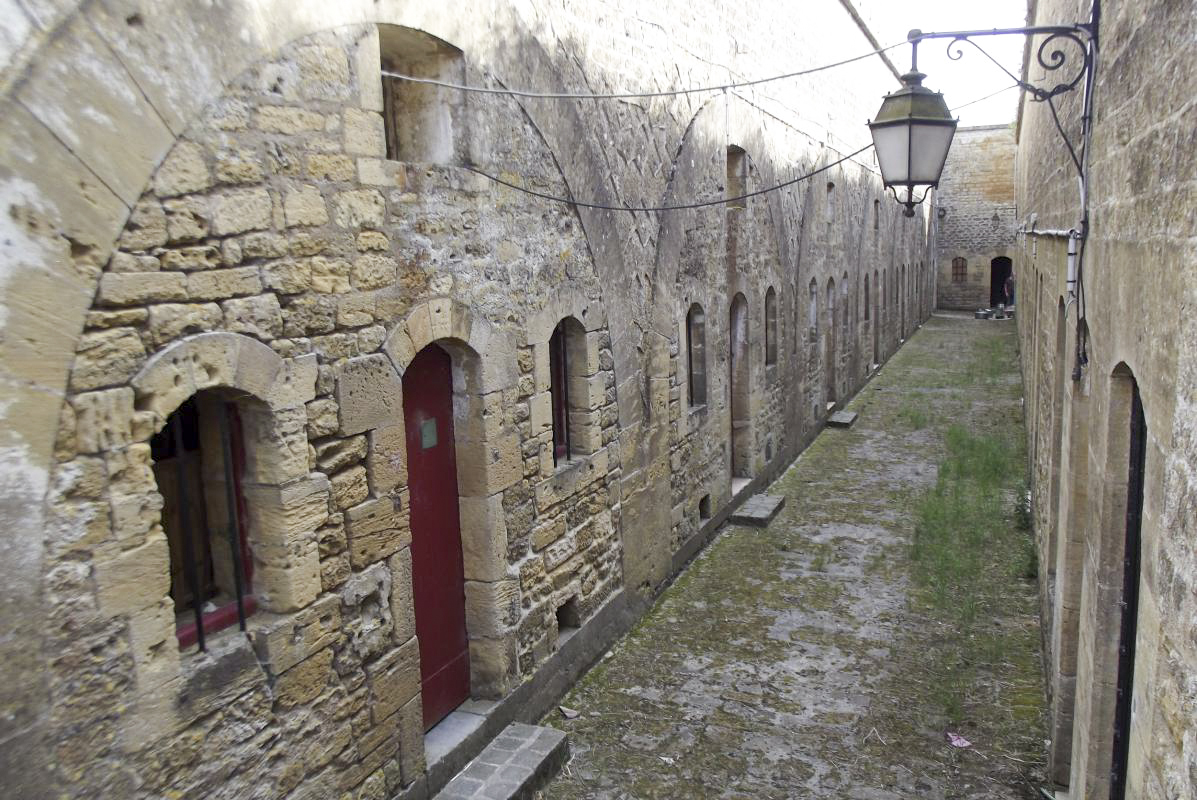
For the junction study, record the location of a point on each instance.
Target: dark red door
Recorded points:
(438, 580)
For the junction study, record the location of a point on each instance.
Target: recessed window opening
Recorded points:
(770, 327)
(866, 298)
(704, 508)
(569, 389)
(737, 176)
(198, 464)
(422, 121)
(696, 355)
(830, 209)
(813, 310)
(876, 215)
(569, 617)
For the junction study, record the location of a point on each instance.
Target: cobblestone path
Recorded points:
(796, 662)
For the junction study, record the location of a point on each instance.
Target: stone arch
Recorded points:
(284, 506)
(270, 393)
(1109, 563)
(488, 462)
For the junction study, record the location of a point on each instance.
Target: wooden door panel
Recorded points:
(438, 578)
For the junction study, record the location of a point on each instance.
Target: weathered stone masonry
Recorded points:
(203, 206)
(1136, 334)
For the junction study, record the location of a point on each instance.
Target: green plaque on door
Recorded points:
(428, 433)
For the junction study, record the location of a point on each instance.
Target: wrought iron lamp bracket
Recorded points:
(910, 202)
(1052, 54)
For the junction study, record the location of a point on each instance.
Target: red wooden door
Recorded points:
(438, 579)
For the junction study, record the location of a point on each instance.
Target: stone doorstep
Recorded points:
(758, 511)
(842, 419)
(516, 763)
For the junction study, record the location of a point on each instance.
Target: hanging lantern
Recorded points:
(912, 133)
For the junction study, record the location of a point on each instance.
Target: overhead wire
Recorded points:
(679, 207)
(630, 95)
(697, 204)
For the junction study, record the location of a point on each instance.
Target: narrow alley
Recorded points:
(829, 655)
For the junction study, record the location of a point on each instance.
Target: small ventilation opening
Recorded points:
(422, 120)
(704, 508)
(569, 618)
(737, 176)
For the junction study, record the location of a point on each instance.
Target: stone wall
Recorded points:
(201, 204)
(1138, 274)
(976, 210)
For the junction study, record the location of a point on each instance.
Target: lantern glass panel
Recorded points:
(929, 151)
(892, 143)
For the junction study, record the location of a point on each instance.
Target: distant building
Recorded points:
(976, 219)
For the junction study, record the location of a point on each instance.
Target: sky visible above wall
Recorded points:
(971, 77)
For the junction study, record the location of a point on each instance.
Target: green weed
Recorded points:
(966, 553)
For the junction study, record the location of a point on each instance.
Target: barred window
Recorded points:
(198, 463)
(567, 363)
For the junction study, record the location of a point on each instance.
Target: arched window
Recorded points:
(696, 355)
(959, 269)
(568, 386)
(770, 326)
(813, 311)
(198, 463)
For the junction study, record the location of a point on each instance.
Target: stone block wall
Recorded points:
(977, 214)
(220, 219)
(1130, 331)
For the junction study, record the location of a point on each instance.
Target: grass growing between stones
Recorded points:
(826, 655)
(966, 553)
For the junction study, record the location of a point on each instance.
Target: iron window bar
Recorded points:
(191, 542)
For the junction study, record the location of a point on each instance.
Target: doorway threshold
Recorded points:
(447, 735)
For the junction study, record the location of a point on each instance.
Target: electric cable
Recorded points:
(629, 95)
(685, 206)
(680, 207)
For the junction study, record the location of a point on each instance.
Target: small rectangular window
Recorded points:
(569, 617)
(737, 177)
(959, 270)
(770, 326)
(421, 120)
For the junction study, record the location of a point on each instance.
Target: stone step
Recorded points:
(842, 419)
(758, 511)
(515, 764)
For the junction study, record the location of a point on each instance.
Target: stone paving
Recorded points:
(511, 767)
(791, 661)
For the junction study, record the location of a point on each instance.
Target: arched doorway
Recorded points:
(877, 293)
(829, 354)
(741, 440)
(999, 270)
(1129, 605)
(438, 576)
